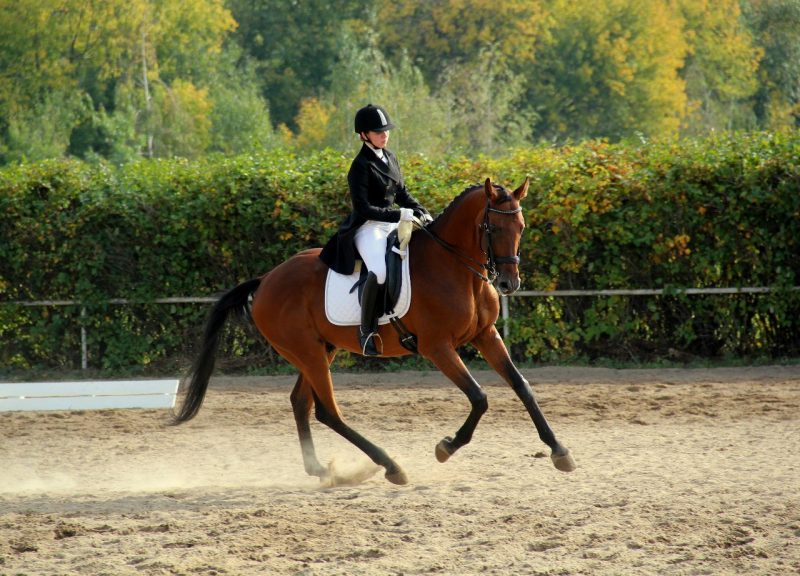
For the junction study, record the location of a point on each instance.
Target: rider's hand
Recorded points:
(406, 215)
(426, 218)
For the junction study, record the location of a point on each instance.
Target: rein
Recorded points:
(491, 260)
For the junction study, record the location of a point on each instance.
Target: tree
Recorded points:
(438, 34)
(776, 27)
(55, 58)
(295, 45)
(187, 37)
(179, 47)
(181, 121)
(240, 118)
(43, 128)
(363, 75)
(107, 78)
(484, 111)
(608, 69)
(721, 65)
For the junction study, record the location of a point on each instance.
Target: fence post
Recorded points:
(505, 313)
(84, 345)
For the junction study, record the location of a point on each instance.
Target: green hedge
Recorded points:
(719, 212)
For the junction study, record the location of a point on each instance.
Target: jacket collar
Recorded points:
(390, 168)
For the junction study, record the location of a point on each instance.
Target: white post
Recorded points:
(84, 347)
(504, 309)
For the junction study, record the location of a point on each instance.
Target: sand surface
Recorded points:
(679, 472)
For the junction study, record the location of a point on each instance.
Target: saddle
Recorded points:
(343, 294)
(387, 299)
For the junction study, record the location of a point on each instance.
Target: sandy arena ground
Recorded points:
(679, 472)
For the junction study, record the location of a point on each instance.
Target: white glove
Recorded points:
(406, 215)
(404, 230)
(426, 218)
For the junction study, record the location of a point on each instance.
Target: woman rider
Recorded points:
(376, 185)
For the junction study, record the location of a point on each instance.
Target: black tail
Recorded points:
(233, 301)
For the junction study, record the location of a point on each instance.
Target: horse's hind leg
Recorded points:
(316, 375)
(491, 346)
(302, 402)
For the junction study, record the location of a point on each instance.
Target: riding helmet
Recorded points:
(372, 118)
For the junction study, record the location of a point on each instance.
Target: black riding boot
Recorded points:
(368, 331)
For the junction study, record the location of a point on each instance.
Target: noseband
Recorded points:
(491, 260)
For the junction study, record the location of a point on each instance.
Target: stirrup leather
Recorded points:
(368, 330)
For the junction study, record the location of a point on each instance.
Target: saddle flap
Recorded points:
(394, 275)
(394, 271)
(342, 306)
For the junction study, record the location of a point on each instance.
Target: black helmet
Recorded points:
(372, 118)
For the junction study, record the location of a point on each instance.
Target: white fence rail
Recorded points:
(506, 314)
(87, 395)
(505, 309)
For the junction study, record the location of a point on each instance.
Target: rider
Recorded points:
(376, 184)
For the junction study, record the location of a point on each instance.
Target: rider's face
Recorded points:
(378, 139)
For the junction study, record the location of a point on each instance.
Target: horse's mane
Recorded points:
(466, 192)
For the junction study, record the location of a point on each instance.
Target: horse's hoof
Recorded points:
(444, 449)
(397, 477)
(563, 461)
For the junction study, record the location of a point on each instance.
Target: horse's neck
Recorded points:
(457, 226)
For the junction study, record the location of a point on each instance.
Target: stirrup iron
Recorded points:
(368, 344)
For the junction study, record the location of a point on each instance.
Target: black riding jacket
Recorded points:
(375, 187)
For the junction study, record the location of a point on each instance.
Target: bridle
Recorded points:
(487, 228)
(475, 266)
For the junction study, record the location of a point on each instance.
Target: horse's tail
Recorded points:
(233, 301)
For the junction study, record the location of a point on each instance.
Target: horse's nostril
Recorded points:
(507, 286)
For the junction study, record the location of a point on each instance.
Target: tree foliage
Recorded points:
(366, 75)
(441, 33)
(609, 70)
(123, 79)
(776, 27)
(114, 78)
(721, 66)
(296, 45)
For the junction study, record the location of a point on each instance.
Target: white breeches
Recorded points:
(371, 244)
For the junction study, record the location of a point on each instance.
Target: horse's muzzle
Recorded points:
(507, 284)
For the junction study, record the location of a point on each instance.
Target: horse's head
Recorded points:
(502, 228)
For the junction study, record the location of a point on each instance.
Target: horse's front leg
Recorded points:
(449, 362)
(491, 346)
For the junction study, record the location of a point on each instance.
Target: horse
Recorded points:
(455, 262)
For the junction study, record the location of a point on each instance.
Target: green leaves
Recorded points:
(719, 212)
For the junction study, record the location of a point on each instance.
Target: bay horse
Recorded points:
(454, 262)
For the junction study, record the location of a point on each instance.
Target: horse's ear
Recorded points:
(522, 191)
(491, 192)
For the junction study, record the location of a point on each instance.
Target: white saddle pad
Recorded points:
(342, 307)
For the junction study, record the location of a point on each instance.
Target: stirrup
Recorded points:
(367, 342)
